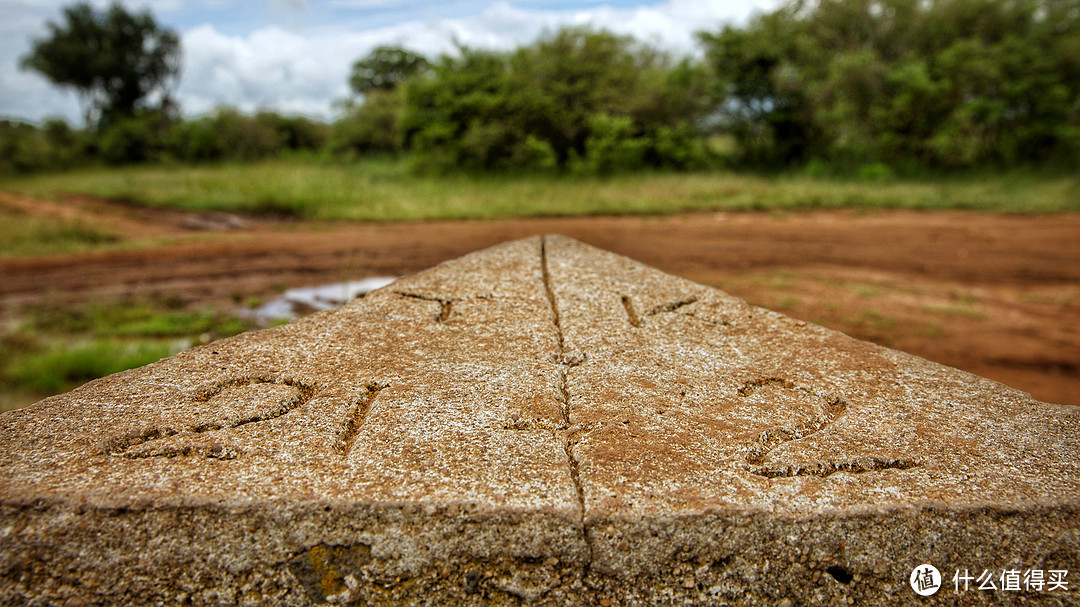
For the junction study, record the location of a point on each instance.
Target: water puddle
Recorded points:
(305, 300)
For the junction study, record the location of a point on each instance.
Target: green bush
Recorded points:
(940, 83)
(245, 137)
(612, 146)
(196, 141)
(229, 134)
(587, 101)
(679, 147)
(370, 127)
(875, 171)
(55, 145)
(139, 138)
(296, 133)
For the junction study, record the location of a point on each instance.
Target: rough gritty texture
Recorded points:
(537, 423)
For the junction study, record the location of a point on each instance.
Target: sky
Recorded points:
(294, 56)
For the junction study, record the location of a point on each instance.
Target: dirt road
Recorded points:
(997, 295)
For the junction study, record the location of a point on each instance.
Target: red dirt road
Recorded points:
(996, 295)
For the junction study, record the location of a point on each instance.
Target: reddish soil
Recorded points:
(997, 295)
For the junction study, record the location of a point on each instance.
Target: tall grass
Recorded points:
(67, 365)
(385, 189)
(24, 235)
(50, 349)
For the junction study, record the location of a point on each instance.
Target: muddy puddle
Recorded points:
(305, 300)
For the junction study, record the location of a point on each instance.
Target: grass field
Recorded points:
(25, 236)
(53, 350)
(386, 190)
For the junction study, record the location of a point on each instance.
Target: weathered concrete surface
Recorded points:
(539, 423)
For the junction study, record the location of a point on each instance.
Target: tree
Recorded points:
(763, 103)
(576, 99)
(370, 127)
(937, 83)
(115, 60)
(384, 69)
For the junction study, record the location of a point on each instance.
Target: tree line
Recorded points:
(843, 84)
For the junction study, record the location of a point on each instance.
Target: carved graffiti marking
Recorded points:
(223, 406)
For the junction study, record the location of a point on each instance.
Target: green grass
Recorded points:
(54, 349)
(61, 366)
(133, 319)
(1040, 298)
(930, 329)
(385, 189)
(963, 311)
(873, 319)
(22, 235)
(864, 290)
(786, 303)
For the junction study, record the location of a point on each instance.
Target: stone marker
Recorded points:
(538, 423)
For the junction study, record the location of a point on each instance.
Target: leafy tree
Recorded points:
(296, 133)
(384, 68)
(53, 145)
(130, 139)
(763, 102)
(439, 109)
(576, 99)
(115, 60)
(370, 127)
(227, 134)
(945, 83)
(21, 147)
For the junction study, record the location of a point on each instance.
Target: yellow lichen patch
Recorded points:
(329, 578)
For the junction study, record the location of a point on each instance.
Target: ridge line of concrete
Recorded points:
(564, 396)
(550, 290)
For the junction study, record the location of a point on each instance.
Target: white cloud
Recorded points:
(270, 68)
(27, 95)
(286, 71)
(304, 70)
(670, 25)
(364, 3)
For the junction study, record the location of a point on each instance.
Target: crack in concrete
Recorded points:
(215, 451)
(749, 387)
(564, 396)
(550, 290)
(708, 321)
